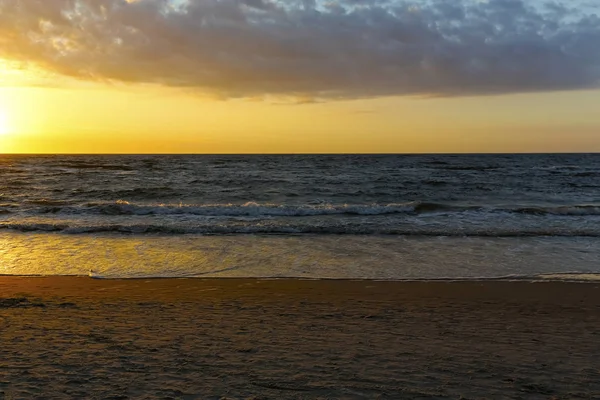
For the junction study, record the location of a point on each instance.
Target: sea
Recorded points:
(380, 217)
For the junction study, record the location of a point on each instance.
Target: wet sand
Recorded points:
(67, 337)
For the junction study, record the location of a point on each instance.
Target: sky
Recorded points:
(299, 76)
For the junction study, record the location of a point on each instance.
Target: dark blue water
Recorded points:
(316, 216)
(455, 195)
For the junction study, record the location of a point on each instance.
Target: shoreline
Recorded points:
(549, 277)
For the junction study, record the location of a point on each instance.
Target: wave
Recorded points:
(252, 209)
(291, 229)
(87, 165)
(48, 202)
(576, 210)
(560, 277)
(470, 168)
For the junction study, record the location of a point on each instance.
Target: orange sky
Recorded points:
(291, 105)
(158, 120)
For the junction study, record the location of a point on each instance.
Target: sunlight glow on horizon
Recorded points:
(4, 123)
(117, 119)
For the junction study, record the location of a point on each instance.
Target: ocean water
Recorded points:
(309, 216)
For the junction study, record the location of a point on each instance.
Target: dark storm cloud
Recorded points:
(310, 48)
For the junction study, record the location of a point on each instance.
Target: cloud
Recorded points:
(311, 48)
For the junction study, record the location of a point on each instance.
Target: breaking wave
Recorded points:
(252, 209)
(295, 229)
(562, 277)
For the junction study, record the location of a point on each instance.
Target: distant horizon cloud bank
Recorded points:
(311, 49)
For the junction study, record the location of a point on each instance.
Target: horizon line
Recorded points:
(302, 154)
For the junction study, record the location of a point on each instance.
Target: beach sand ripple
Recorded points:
(65, 338)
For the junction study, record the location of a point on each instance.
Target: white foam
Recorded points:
(595, 277)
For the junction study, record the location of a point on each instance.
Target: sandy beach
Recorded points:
(68, 337)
